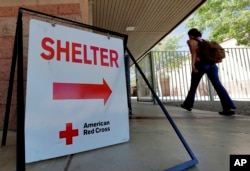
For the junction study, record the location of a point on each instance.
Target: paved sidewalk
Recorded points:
(154, 145)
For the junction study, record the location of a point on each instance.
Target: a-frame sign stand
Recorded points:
(193, 160)
(18, 57)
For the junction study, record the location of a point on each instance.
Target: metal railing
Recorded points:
(170, 74)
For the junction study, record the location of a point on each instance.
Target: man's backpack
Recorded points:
(210, 51)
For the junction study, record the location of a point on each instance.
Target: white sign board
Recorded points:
(76, 96)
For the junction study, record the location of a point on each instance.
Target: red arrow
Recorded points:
(65, 91)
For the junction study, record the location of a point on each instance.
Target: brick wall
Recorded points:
(8, 18)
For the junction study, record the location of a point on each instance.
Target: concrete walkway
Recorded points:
(154, 145)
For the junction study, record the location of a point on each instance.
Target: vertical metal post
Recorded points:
(136, 83)
(127, 72)
(152, 73)
(20, 147)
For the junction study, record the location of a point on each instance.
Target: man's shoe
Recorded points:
(227, 113)
(187, 108)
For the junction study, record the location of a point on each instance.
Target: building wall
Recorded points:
(231, 43)
(77, 10)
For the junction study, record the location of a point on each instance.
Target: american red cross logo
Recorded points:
(69, 133)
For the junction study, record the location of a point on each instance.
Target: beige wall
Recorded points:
(77, 10)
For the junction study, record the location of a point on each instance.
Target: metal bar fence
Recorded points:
(172, 76)
(143, 92)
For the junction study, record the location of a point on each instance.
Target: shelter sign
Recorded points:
(76, 96)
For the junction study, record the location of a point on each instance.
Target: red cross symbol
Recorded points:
(69, 133)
